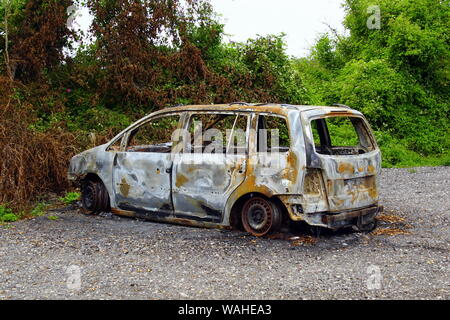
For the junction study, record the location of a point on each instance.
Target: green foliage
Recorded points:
(325, 54)
(269, 66)
(342, 132)
(205, 32)
(70, 198)
(6, 215)
(397, 76)
(39, 209)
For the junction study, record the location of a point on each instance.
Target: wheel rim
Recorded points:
(257, 216)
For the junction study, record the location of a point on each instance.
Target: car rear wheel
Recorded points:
(261, 217)
(94, 196)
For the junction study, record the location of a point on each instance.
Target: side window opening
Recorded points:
(273, 134)
(341, 136)
(218, 133)
(153, 136)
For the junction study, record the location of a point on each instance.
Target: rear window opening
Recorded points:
(341, 136)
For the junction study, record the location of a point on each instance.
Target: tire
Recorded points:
(261, 217)
(94, 197)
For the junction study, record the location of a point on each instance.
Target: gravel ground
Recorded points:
(129, 259)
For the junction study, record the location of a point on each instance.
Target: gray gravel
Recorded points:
(129, 259)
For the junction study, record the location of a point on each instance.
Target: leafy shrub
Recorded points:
(70, 197)
(39, 209)
(397, 76)
(6, 215)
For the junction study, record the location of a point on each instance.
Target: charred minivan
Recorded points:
(250, 166)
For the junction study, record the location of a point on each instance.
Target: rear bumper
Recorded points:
(352, 218)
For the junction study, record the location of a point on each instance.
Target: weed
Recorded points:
(6, 214)
(70, 197)
(39, 210)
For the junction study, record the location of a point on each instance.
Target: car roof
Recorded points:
(282, 109)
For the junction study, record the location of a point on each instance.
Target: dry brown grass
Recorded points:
(390, 232)
(304, 240)
(390, 218)
(31, 163)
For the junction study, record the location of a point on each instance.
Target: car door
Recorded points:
(142, 171)
(212, 165)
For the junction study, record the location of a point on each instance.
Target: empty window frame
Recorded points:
(218, 133)
(341, 136)
(154, 135)
(273, 134)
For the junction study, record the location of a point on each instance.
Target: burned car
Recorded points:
(250, 166)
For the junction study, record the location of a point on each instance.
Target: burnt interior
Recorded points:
(154, 136)
(162, 148)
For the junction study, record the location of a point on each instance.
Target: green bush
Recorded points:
(39, 209)
(6, 214)
(70, 198)
(397, 76)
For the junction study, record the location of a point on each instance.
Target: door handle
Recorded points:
(169, 170)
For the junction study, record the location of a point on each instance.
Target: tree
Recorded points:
(37, 35)
(397, 75)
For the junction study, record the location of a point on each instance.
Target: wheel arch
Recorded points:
(92, 177)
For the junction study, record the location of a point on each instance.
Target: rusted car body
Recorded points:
(309, 177)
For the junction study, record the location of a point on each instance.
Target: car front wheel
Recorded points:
(94, 196)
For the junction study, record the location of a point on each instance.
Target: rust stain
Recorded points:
(373, 193)
(123, 213)
(371, 169)
(291, 171)
(370, 185)
(124, 188)
(338, 202)
(181, 180)
(345, 167)
(312, 183)
(339, 114)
